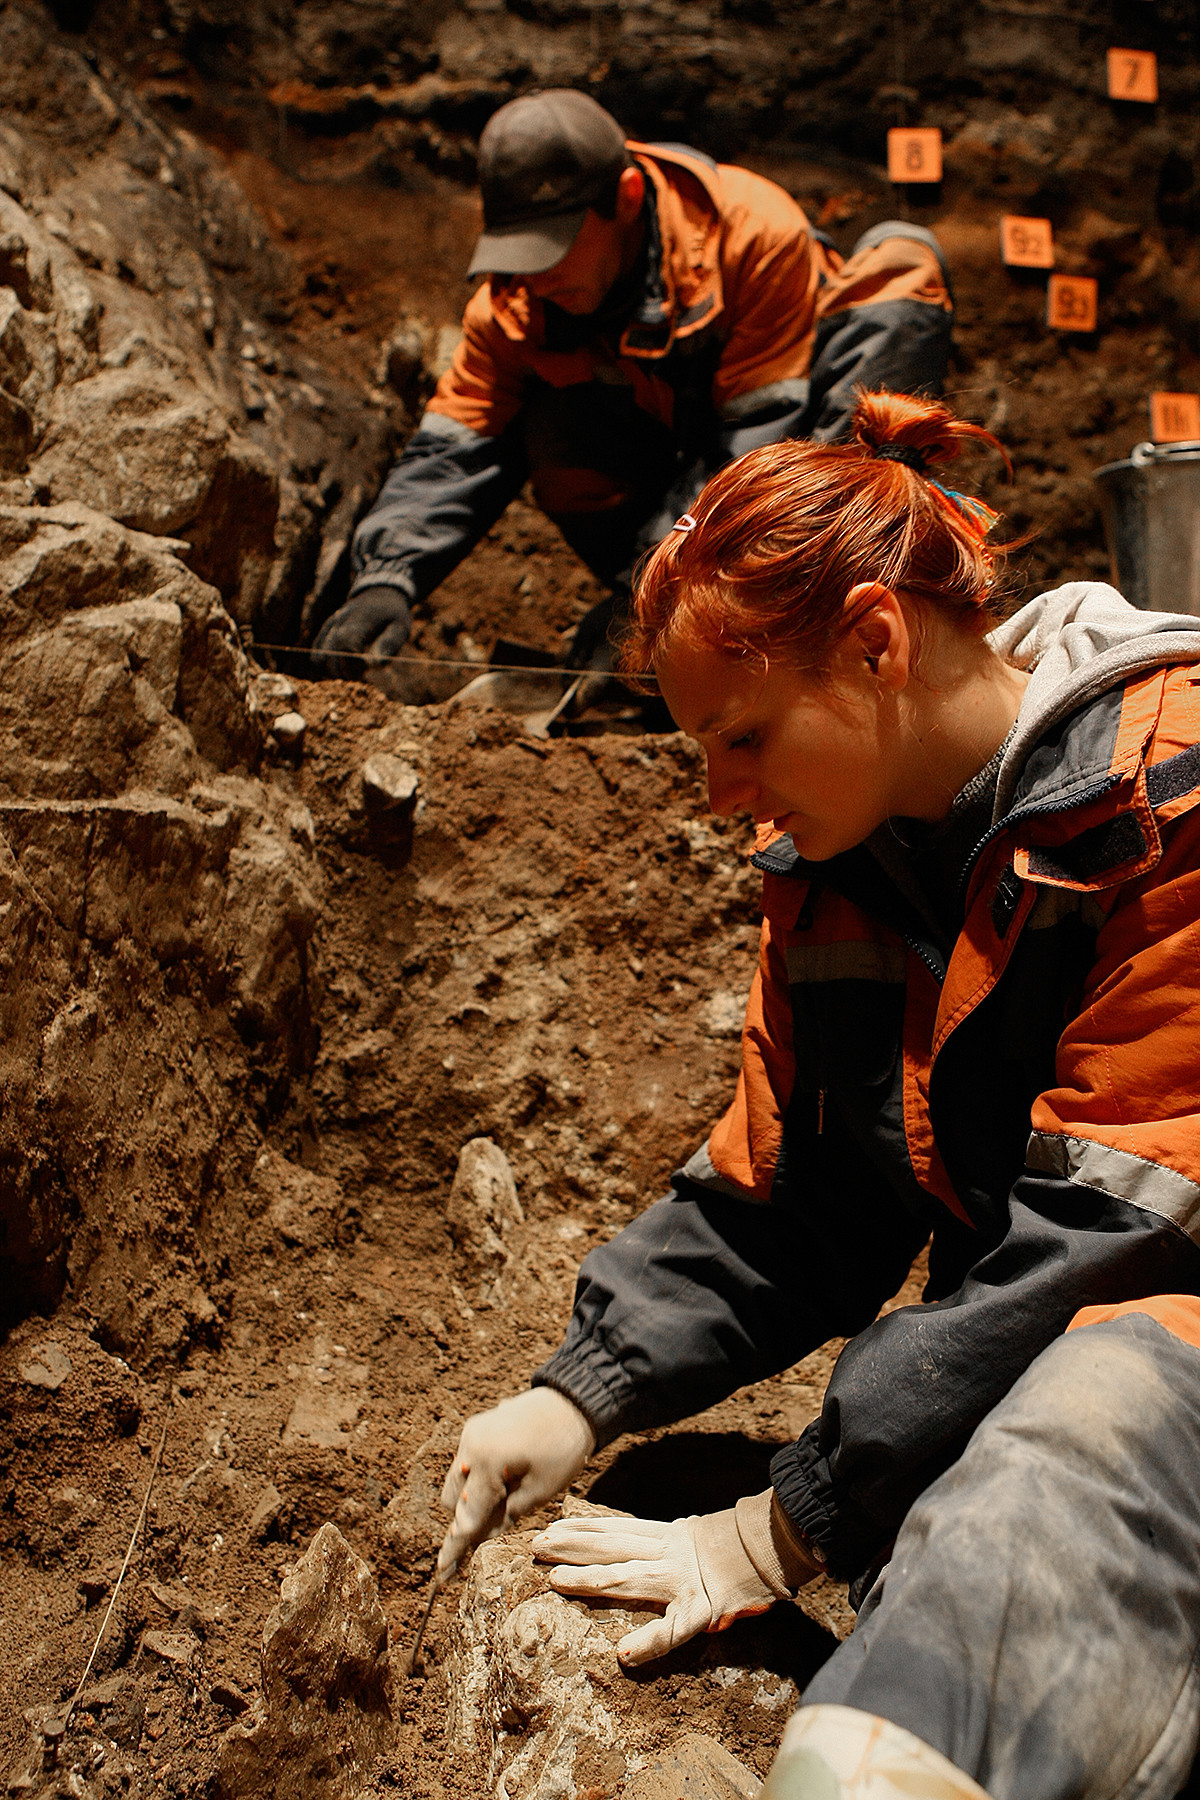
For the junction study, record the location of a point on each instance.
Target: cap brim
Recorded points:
(528, 249)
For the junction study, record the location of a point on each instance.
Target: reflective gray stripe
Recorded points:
(846, 962)
(792, 392)
(1146, 1184)
(699, 1168)
(439, 425)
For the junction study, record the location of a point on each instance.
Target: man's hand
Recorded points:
(510, 1461)
(373, 623)
(706, 1570)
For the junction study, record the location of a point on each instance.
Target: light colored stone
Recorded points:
(723, 1014)
(531, 1681)
(289, 729)
(325, 1713)
(389, 784)
(693, 1767)
(45, 1366)
(483, 1205)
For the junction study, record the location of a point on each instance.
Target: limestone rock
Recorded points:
(289, 731)
(45, 1366)
(389, 785)
(532, 1680)
(540, 1709)
(483, 1205)
(693, 1767)
(324, 1716)
(135, 844)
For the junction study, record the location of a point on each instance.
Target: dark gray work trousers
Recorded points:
(1039, 1619)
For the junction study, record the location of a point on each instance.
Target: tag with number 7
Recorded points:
(1132, 75)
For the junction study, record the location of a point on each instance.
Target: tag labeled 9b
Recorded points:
(914, 155)
(1132, 75)
(1071, 303)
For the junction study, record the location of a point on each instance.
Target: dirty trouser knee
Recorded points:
(1037, 1624)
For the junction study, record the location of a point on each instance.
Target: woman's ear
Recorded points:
(881, 640)
(631, 191)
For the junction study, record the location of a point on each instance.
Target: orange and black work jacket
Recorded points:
(738, 326)
(1032, 1099)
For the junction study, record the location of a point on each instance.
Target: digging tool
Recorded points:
(441, 1579)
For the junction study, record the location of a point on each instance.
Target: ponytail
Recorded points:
(777, 540)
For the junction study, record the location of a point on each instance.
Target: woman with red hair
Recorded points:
(975, 1022)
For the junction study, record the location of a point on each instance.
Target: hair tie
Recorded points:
(686, 523)
(908, 454)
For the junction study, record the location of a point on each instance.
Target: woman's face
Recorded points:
(810, 757)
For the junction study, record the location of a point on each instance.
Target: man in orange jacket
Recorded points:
(649, 315)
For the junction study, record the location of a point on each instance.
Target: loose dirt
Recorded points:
(556, 961)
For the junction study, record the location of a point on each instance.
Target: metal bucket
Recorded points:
(1151, 508)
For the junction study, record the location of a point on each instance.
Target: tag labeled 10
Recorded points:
(1175, 418)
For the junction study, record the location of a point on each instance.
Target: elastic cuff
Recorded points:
(784, 1564)
(586, 1375)
(808, 1512)
(383, 577)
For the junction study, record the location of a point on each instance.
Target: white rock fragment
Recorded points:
(289, 729)
(45, 1366)
(483, 1205)
(389, 785)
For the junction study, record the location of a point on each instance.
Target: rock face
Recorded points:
(140, 371)
(325, 1715)
(539, 1708)
(154, 890)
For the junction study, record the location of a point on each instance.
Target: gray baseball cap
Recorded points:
(543, 160)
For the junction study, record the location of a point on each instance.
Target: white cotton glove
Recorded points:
(707, 1570)
(510, 1461)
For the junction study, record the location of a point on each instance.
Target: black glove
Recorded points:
(373, 623)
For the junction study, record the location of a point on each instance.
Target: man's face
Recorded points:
(579, 281)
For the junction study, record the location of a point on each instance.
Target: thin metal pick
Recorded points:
(435, 1588)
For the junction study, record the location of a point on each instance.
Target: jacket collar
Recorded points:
(682, 291)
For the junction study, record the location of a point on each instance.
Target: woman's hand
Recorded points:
(510, 1461)
(706, 1571)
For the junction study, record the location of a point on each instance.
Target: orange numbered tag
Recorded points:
(914, 155)
(1175, 418)
(1026, 243)
(1132, 75)
(1071, 303)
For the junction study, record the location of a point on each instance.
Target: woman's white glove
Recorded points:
(707, 1570)
(510, 1461)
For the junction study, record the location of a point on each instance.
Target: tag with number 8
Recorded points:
(914, 155)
